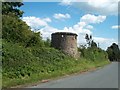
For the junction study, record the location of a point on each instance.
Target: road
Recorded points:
(106, 77)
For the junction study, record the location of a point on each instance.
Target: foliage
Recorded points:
(21, 64)
(19, 61)
(47, 43)
(17, 31)
(89, 41)
(11, 8)
(14, 29)
(35, 40)
(93, 53)
(113, 52)
(93, 44)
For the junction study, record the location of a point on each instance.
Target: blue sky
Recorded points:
(82, 17)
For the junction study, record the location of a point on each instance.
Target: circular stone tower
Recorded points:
(65, 41)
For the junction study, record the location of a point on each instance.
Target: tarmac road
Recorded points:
(106, 77)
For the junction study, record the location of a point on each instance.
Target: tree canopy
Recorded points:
(113, 52)
(16, 30)
(12, 8)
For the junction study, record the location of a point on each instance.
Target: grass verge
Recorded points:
(83, 66)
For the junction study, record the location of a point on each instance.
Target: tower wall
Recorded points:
(67, 42)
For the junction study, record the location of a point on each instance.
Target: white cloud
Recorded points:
(101, 40)
(115, 27)
(104, 42)
(104, 7)
(61, 16)
(66, 2)
(81, 28)
(89, 27)
(35, 22)
(88, 18)
(47, 19)
(47, 31)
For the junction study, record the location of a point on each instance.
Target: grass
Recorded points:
(30, 65)
(83, 66)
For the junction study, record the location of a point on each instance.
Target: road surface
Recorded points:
(106, 77)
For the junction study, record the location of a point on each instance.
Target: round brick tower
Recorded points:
(65, 41)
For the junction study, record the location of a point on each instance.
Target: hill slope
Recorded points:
(25, 65)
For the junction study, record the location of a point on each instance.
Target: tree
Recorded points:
(35, 40)
(113, 52)
(89, 41)
(16, 30)
(11, 8)
(13, 28)
(93, 44)
(110, 54)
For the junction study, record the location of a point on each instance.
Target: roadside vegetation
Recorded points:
(26, 58)
(113, 52)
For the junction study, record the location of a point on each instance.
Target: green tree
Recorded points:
(16, 30)
(35, 40)
(113, 52)
(89, 41)
(93, 44)
(110, 54)
(12, 8)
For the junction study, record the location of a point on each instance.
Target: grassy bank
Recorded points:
(29, 65)
(84, 66)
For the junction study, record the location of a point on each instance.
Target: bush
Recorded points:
(19, 61)
(93, 53)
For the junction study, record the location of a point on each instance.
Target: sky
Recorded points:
(97, 18)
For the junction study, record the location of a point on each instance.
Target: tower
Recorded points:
(65, 41)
